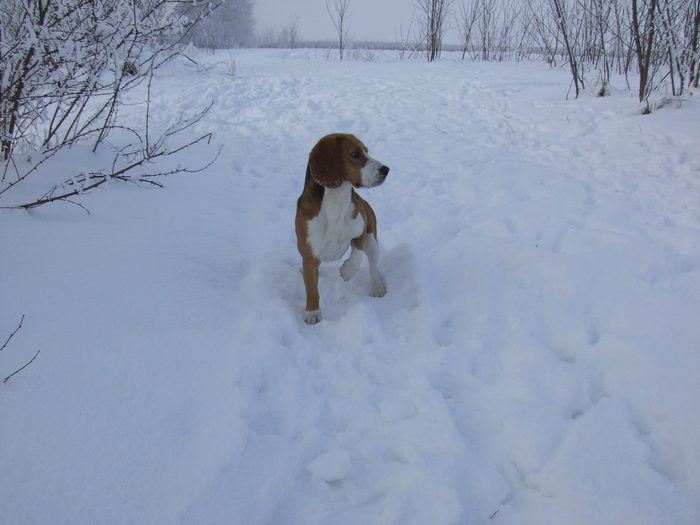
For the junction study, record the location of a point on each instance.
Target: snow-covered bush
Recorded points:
(64, 65)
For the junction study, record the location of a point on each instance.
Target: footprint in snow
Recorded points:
(330, 466)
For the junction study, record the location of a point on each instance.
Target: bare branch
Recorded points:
(85, 182)
(12, 334)
(25, 366)
(5, 344)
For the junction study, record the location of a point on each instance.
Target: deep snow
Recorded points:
(535, 359)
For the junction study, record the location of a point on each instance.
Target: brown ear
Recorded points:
(325, 162)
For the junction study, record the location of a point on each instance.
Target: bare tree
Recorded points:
(486, 23)
(509, 20)
(293, 30)
(466, 18)
(432, 21)
(597, 38)
(569, 26)
(340, 22)
(693, 32)
(644, 32)
(672, 44)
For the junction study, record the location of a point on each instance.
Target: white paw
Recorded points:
(377, 289)
(312, 317)
(348, 269)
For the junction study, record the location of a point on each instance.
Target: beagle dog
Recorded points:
(331, 217)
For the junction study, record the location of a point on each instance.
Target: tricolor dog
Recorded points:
(331, 217)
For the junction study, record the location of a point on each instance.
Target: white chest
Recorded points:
(332, 230)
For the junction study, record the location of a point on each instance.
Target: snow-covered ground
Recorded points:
(536, 359)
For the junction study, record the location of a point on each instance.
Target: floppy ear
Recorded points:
(326, 164)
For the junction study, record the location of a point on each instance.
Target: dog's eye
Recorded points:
(355, 155)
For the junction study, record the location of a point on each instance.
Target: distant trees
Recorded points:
(231, 25)
(494, 30)
(658, 40)
(286, 36)
(293, 29)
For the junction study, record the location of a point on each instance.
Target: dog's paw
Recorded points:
(351, 264)
(348, 269)
(377, 289)
(312, 317)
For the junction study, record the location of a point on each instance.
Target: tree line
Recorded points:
(655, 39)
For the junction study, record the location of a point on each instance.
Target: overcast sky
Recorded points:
(377, 20)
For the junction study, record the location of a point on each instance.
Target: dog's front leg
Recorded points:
(309, 269)
(376, 286)
(352, 263)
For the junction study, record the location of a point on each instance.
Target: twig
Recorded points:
(12, 334)
(5, 344)
(25, 366)
(79, 205)
(148, 109)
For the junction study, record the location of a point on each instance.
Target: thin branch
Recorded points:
(148, 108)
(93, 180)
(12, 334)
(25, 366)
(5, 344)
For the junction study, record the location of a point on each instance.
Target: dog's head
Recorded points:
(340, 157)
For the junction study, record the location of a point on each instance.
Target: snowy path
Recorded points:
(534, 361)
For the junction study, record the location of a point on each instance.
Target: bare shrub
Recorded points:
(65, 64)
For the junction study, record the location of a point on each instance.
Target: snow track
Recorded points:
(534, 360)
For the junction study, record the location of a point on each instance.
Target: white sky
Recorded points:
(377, 20)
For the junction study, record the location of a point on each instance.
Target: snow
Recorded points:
(331, 466)
(535, 359)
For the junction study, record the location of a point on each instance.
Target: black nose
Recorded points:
(384, 170)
